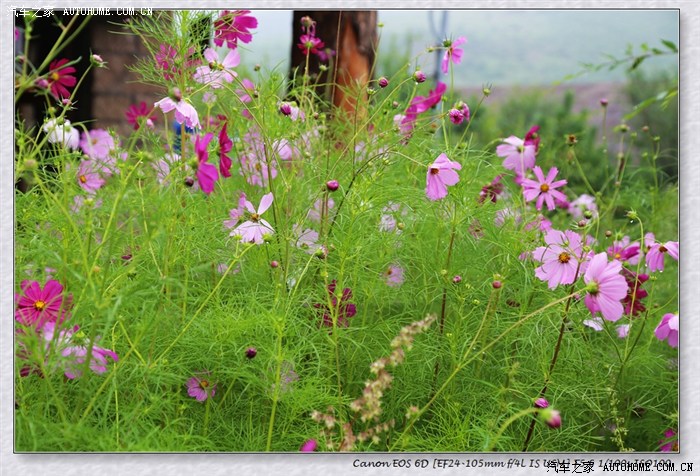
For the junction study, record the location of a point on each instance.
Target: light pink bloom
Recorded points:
(623, 330)
(668, 329)
(97, 143)
(393, 276)
(245, 95)
(606, 287)
(184, 111)
(237, 213)
(441, 173)
(88, 178)
(63, 133)
(581, 204)
(315, 213)
(254, 229)
(596, 323)
(560, 258)
(306, 239)
(518, 155)
(452, 54)
(216, 73)
(655, 255)
(75, 353)
(544, 188)
(200, 387)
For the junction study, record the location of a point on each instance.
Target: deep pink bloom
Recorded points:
(393, 276)
(184, 111)
(225, 146)
(670, 442)
(309, 446)
(560, 258)
(419, 76)
(254, 229)
(343, 308)
(606, 287)
(216, 73)
(201, 387)
(441, 173)
(541, 403)
(544, 188)
(518, 155)
(668, 329)
(165, 58)
(97, 143)
(310, 44)
(38, 306)
(533, 138)
(452, 54)
(633, 301)
(420, 104)
(553, 418)
(234, 26)
(655, 255)
(60, 78)
(623, 250)
(206, 173)
(135, 113)
(88, 178)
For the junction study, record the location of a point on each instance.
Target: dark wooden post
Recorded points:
(352, 35)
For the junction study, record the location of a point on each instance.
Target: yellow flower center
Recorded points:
(255, 217)
(544, 188)
(663, 249)
(564, 257)
(39, 305)
(617, 256)
(83, 179)
(204, 383)
(54, 76)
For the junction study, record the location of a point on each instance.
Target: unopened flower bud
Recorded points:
(457, 279)
(98, 61)
(30, 164)
(285, 108)
(332, 185)
(551, 417)
(383, 82)
(274, 264)
(604, 102)
(486, 92)
(541, 403)
(496, 284)
(251, 352)
(256, 67)
(588, 214)
(419, 76)
(189, 181)
(608, 233)
(175, 94)
(581, 223)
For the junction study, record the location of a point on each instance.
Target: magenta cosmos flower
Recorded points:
(225, 146)
(234, 26)
(216, 73)
(606, 287)
(518, 155)
(201, 387)
(141, 114)
(37, 306)
(60, 78)
(655, 255)
(441, 173)
(670, 442)
(255, 228)
(309, 446)
(184, 111)
(560, 258)
(452, 53)
(668, 329)
(206, 173)
(544, 188)
(623, 250)
(344, 309)
(74, 353)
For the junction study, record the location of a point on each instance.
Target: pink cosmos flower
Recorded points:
(134, 115)
(245, 95)
(544, 188)
(200, 386)
(64, 133)
(668, 329)
(388, 222)
(606, 287)
(307, 239)
(393, 276)
(492, 190)
(560, 258)
(518, 155)
(254, 229)
(309, 446)
(655, 255)
(75, 353)
(441, 173)
(206, 173)
(623, 250)
(216, 73)
(670, 442)
(310, 44)
(88, 178)
(79, 201)
(60, 78)
(256, 166)
(420, 104)
(633, 301)
(225, 146)
(234, 26)
(315, 213)
(165, 58)
(37, 306)
(582, 204)
(533, 138)
(344, 309)
(623, 330)
(452, 54)
(97, 144)
(237, 213)
(184, 111)
(459, 113)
